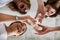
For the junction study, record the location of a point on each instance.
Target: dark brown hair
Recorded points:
(52, 2)
(13, 6)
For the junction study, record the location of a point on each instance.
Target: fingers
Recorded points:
(42, 32)
(32, 20)
(40, 17)
(36, 15)
(41, 25)
(27, 22)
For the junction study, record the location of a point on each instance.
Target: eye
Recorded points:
(18, 28)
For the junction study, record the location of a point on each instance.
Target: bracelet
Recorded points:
(16, 18)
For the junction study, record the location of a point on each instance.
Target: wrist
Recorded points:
(53, 28)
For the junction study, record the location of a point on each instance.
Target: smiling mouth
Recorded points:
(19, 29)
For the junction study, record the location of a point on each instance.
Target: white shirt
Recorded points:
(4, 2)
(3, 33)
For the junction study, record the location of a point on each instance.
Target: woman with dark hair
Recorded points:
(51, 7)
(21, 6)
(54, 6)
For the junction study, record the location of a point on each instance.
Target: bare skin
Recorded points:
(23, 7)
(4, 17)
(40, 10)
(15, 29)
(51, 10)
(47, 10)
(46, 29)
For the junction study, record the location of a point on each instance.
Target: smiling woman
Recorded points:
(21, 6)
(16, 28)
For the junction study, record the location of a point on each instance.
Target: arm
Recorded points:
(4, 17)
(56, 28)
(41, 9)
(46, 29)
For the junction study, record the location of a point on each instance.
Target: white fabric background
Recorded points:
(29, 35)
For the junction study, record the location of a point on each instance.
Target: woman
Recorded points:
(14, 29)
(51, 8)
(21, 6)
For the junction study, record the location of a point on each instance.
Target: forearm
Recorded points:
(41, 7)
(55, 28)
(4, 17)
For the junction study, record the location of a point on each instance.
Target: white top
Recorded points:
(4, 2)
(3, 33)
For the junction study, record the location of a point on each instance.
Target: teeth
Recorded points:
(26, 10)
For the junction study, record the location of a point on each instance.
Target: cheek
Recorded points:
(52, 11)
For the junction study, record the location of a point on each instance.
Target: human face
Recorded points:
(50, 10)
(18, 28)
(23, 6)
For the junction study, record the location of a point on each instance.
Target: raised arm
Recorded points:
(5, 17)
(41, 10)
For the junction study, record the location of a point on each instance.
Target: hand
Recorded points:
(44, 30)
(39, 17)
(30, 20)
(27, 22)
